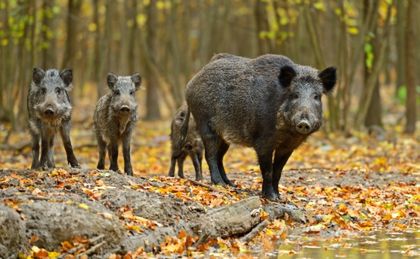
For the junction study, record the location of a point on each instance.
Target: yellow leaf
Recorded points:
(353, 30)
(53, 255)
(83, 206)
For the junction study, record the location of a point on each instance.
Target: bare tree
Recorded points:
(152, 95)
(410, 66)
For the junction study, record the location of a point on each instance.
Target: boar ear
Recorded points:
(67, 76)
(37, 75)
(111, 80)
(136, 78)
(328, 78)
(287, 73)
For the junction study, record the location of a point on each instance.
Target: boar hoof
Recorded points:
(75, 165)
(228, 182)
(270, 195)
(114, 168)
(218, 181)
(129, 172)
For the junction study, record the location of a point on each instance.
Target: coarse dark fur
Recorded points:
(114, 120)
(191, 146)
(49, 110)
(268, 103)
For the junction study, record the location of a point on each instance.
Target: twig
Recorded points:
(260, 227)
(204, 185)
(92, 249)
(80, 246)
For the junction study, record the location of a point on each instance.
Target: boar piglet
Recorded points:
(114, 120)
(49, 111)
(191, 145)
(268, 103)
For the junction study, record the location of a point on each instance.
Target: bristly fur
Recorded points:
(112, 125)
(191, 145)
(49, 111)
(268, 103)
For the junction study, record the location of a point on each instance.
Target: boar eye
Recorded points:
(294, 96)
(117, 92)
(58, 90)
(132, 92)
(43, 90)
(317, 97)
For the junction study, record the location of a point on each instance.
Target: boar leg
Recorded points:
(126, 154)
(113, 155)
(212, 144)
(102, 152)
(197, 166)
(65, 136)
(280, 160)
(181, 160)
(172, 168)
(35, 150)
(50, 160)
(266, 166)
(45, 146)
(223, 148)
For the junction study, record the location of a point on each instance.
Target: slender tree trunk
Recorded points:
(97, 53)
(260, 15)
(70, 48)
(71, 33)
(410, 66)
(374, 111)
(379, 60)
(152, 95)
(131, 11)
(400, 44)
(47, 50)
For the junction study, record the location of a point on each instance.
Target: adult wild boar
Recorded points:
(268, 103)
(49, 111)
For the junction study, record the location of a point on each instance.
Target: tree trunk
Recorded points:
(374, 71)
(131, 10)
(374, 111)
(410, 66)
(152, 95)
(260, 15)
(71, 38)
(47, 49)
(71, 33)
(399, 41)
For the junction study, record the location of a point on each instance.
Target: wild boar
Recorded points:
(191, 146)
(49, 111)
(115, 118)
(268, 103)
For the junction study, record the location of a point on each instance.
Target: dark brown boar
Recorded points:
(268, 103)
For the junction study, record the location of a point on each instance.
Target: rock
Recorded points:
(12, 233)
(54, 223)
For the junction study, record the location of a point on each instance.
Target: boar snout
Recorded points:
(49, 112)
(303, 127)
(306, 123)
(125, 109)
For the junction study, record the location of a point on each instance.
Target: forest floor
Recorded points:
(342, 186)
